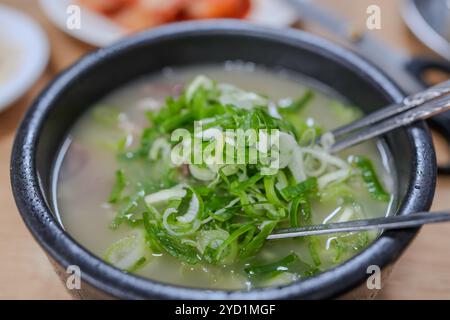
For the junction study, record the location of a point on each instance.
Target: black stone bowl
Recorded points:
(52, 114)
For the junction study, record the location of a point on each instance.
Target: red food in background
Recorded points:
(209, 9)
(106, 6)
(141, 14)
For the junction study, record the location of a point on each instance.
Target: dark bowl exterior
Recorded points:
(52, 114)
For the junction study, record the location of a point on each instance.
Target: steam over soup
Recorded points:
(181, 176)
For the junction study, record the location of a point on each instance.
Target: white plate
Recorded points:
(27, 54)
(100, 31)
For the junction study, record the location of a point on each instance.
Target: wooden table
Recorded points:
(422, 273)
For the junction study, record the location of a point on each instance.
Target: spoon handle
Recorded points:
(385, 223)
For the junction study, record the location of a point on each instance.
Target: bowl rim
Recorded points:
(65, 251)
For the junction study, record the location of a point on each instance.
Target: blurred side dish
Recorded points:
(141, 14)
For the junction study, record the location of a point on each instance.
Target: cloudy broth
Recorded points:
(88, 162)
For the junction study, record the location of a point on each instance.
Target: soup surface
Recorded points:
(102, 162)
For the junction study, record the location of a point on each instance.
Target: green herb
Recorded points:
(129, 253)
(225, 220)
(231, 239)
(118, 187)
(299, 104)
(278, 266)
(314, 248)
(171, 244)
(253, 247)
(129, 206)
(307, 187)
(300, 208)
(370, 179)
(291, 263)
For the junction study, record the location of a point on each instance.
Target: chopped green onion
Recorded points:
(221, 213)
(269, 185)
(255, 245)
(299, 104)
(171, 244)
(118, 187)
(281, 265)
(300, 205)
(370, 179)
(128, 253)
(177, 192)
(307, 187)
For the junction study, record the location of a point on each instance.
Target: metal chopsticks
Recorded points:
(385, 223)
(419, 106)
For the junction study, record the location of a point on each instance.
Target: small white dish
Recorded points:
(24, 54)
(100, 31)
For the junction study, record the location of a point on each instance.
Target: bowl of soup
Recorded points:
(159, 166)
